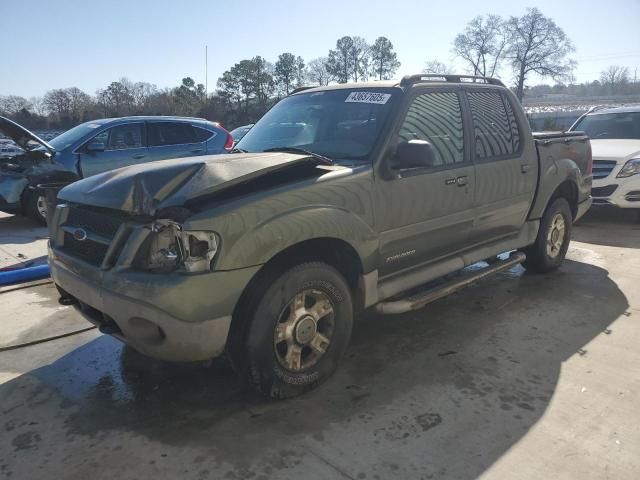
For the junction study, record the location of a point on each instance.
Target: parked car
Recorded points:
(9, 151)
(340, 198)
(95, 147)
(615, 140)
(238, 133)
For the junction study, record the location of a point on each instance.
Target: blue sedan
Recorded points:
(95, 147)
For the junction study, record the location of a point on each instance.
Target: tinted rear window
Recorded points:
(495, 129)
(170, 133)
(200, 134)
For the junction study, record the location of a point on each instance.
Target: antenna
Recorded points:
(206, 73)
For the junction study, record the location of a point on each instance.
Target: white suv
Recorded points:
(615, 144)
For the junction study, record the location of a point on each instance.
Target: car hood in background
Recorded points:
(146, 188)
(619, 150)
(21, 136)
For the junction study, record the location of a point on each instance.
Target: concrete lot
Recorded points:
(519, 377)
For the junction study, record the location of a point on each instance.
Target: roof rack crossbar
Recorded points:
(421, 77)
(301, 89)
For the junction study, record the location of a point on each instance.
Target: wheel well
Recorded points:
(569, 191)
(335, 252)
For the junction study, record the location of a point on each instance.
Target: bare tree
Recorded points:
(360, 53)
(614, 77)
(317, 71)
(538, 45)
(482, 44)
(12, 104)
(436, 67)
(57, 102)
(37, 105)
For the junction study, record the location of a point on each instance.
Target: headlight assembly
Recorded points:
(632, 167)
(170, 247)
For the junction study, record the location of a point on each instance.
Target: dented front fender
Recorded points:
(11, 187)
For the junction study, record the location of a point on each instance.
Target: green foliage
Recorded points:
(384, 60)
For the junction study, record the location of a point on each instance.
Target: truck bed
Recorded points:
(562, 152)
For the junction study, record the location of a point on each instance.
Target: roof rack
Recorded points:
(434, 77)
(595, 108)
(301, 89)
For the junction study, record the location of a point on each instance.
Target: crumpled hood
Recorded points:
(619, 150)
(21, 135)
(145, 188)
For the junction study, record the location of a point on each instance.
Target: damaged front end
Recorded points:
(170, 247)
(29, 168)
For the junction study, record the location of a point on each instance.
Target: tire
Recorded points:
(35, 207)
(297, 330)
(549, 249)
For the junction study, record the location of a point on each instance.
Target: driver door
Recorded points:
(115, 147)
(427, 213)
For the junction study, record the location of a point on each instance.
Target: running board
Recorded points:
(419, 300)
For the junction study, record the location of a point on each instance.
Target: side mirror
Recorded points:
(96, 147)
(415, 154)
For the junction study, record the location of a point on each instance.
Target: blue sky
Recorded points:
(54, 43)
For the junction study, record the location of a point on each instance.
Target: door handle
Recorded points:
(462, 181)
(138, 156)
(197, 150)
(450, 181)
(524, 168)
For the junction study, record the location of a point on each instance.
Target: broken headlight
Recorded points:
(171, 247)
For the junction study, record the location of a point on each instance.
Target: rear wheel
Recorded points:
(552, 242)
(297, 331)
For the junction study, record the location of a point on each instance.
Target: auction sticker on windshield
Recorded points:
(368, 97)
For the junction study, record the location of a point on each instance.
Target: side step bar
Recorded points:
(419, 300)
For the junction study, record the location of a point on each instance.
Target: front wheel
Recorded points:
(551, 245)
(297, 331)
(36, 207)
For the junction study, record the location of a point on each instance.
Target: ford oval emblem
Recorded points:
(79, 234)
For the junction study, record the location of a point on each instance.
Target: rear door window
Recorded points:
(170, 133)
(495, 127)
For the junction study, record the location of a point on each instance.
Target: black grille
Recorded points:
(87, 250)
(602, 168)
(99, 223)
(603, 191)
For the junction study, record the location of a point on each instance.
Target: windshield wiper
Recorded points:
(238, 150)
(317, 156)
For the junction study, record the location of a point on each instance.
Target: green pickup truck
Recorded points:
(339, 199)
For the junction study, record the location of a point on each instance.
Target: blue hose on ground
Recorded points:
(24, 274)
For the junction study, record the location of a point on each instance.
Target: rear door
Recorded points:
(505, 176)
(173, 140)
(427, 213)
(123, 145)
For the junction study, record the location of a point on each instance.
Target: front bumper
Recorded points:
(11, 189)
(583, 207)
(618, 192)
(171, 317)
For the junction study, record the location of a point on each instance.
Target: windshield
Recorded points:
(70, 137)
(239, 132)
(611, 125)
(342, 124)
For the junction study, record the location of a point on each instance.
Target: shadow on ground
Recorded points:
(444, 391)
(614, 227)
(20, 230)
